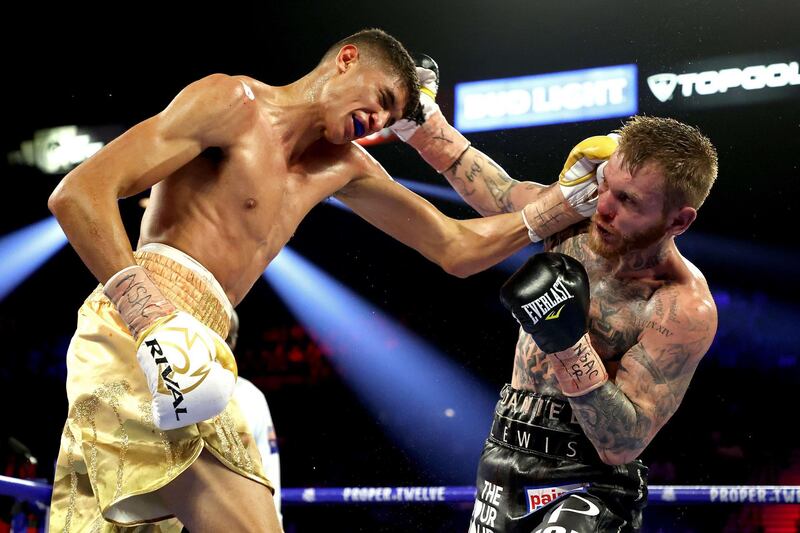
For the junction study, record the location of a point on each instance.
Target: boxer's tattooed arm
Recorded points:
(462, 186)
(621, 417)
(532, 369)
(614, 424)
(525, 361)
(485, 186)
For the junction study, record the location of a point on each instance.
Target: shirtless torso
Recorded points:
(234, 166)
(648, 323)
(234, 169)
(234, 207)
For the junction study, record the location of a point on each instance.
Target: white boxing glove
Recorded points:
(578, 178)
(439, 143)
(575, 198)
(190, 370)
(428, 74)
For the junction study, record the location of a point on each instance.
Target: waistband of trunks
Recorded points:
(533, 423)
(188, 285)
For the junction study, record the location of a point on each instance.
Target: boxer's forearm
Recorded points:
(483, 242)
(485, 186)
(93, 225)
(618, 428)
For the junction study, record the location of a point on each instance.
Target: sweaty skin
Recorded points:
(232, 177)
(652, 316)
(651, 329)
(234, 166)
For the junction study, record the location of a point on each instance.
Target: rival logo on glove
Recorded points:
(542, 305)
(172, 385)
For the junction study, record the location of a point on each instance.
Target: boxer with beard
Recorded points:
(614, 320)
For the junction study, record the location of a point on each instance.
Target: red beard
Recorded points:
(619, 245)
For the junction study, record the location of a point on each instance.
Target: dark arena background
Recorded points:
(376, 401)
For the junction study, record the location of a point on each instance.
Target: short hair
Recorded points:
(376, 43)
(686, 156)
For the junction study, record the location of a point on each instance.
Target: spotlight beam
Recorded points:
(25, 250)
(430, 405)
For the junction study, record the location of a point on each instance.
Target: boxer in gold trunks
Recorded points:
(234, 165)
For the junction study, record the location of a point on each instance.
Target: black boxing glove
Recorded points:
(549, 297)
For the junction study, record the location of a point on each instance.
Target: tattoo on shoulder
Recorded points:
(642, 325)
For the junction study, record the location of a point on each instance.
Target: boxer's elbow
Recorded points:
(59, 199)
(70, 200)
(458, 269)
(619, 457)
(613, 459)
(81, 185)
(65, 199)
(464, 253)
(448, 260)
(66, 192)
(457, 260)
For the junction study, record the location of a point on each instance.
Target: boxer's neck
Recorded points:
(656, 262)
(296, 113)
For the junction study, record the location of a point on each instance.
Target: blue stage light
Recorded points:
(429, 405)
(24, 250)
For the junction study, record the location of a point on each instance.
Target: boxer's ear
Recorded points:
(348, 55)
(680, 219)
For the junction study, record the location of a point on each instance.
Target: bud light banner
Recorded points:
(571, 96)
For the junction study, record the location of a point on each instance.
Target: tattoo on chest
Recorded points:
(614, 322)
(612, 328)
(532, 368)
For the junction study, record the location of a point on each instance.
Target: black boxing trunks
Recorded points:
(539, 473)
